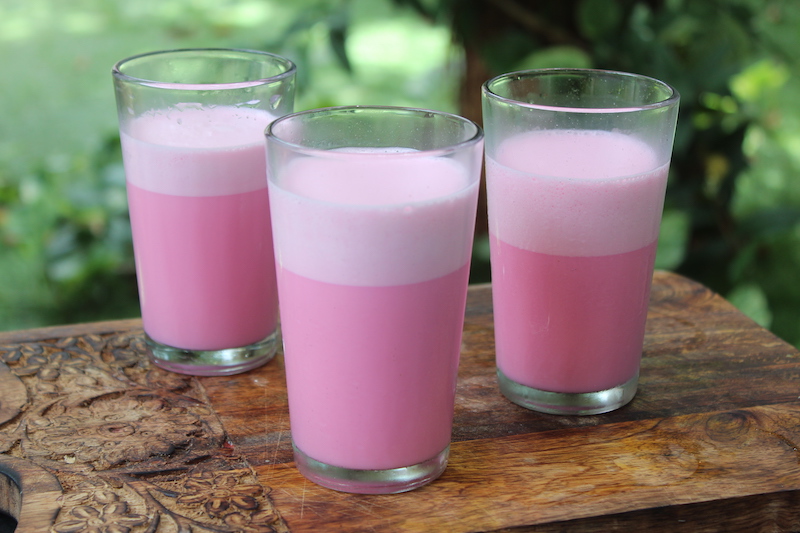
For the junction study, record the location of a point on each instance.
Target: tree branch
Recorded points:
(537, 25)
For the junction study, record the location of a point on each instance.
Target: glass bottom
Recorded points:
(568, 403)
(390, 481)
(212, 362)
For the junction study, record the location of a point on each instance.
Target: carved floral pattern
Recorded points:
(111, 432)
(258, 522)
(136, 449)
(48, 367)
(220, 492)
(111, 516)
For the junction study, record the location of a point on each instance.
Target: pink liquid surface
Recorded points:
(574, 219)
(567, 323)
(372, 260)
(372, 370)
(201, 227)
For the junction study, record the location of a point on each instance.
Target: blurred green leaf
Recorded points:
(673, 239)
(556, 57)
(597, 18)
(759, 79)
(771, 221)
(26, 299)
(751, 300)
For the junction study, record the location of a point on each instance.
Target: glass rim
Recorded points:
(672, 98)
(289, 70)
(476, 137)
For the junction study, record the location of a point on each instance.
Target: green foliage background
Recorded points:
(732, 219)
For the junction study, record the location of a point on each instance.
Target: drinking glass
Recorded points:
(373, 212)
(576, 172)
(191, 127)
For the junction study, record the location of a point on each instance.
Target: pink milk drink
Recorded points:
(576, 165)
(191, 128)
(373, 213)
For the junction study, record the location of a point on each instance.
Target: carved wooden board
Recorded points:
(93, 437)
(93, 434)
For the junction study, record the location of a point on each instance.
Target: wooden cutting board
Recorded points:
(91, 434)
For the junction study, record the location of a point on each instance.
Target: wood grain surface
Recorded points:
(710, 442)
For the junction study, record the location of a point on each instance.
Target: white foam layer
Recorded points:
(373, 220)
(577, 193)
(197, 151)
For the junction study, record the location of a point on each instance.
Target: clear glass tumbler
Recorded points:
(192, 131)
(576, 173)
(373, 212)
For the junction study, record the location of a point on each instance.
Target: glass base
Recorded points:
(212, 362)
(568, 403)
(390, 481)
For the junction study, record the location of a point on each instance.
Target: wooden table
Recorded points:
(91, 435)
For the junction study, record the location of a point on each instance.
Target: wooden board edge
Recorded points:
(71, 330)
